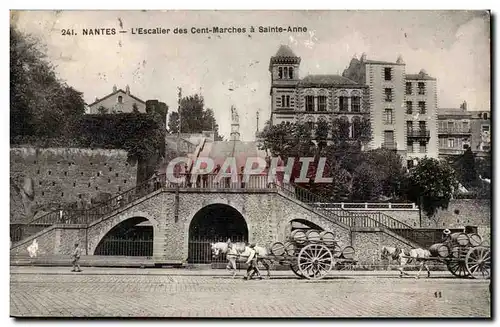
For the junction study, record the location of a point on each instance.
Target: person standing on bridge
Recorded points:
(77, 252)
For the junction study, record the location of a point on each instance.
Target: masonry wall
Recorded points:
(461, 213)
(63, 176)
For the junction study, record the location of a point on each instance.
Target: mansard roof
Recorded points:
(316, 80)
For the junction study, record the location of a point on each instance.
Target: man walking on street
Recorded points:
(76, 258)
(252, 262)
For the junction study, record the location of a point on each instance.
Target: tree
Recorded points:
(173, 122)
(465, 167)
(102, 110)
(40, 103)
(431, 184)
(194, 117)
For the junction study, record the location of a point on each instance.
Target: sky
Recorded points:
(233, 69)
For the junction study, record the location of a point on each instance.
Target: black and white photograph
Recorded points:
(250, 164)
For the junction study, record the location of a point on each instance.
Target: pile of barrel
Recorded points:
(456, 244)
(299, 238)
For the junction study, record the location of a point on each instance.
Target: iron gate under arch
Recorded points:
(200, 249)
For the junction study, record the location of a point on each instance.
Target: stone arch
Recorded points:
(322, 92)
(355, 93)
(133, 216)
(237, 207)
(309, 92)
(343, 93)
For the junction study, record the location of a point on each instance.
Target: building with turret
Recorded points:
(314, 98)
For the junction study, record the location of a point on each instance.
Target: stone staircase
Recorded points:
(360, 220)
(348, 219)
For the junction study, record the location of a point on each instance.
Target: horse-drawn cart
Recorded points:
(310, 253)
(464, 255)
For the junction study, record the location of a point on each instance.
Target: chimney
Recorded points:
(114, 88)
(400, 60)
(464, 105)
(127, 90)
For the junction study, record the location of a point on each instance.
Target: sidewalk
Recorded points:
(198, 272)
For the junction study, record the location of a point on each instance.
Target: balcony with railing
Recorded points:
(389, 145)
(420, 133)
(454, 130)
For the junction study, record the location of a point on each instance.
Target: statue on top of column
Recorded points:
(234, 115)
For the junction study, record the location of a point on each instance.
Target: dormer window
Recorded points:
(120, 99)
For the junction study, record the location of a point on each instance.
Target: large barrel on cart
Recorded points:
(311, 253)
(464, 255)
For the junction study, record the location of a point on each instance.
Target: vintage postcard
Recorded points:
(243, 164)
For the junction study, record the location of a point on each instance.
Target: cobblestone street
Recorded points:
(115, 292)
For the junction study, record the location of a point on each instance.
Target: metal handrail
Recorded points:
(355, 219)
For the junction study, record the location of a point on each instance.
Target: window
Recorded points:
(409, 107)
(387, 74)
(120, 99)
(486, 147)
(310, 125)
(388, 117)
(309, 103)
(465, 146)
(409, 126)
(321, 103)
(285, 72)
(485, 116)
(422, 125)
(409, 145)
(285, 101)
(280, 72)
(423, 147)
(388, 95)
(421, 88)
(485, 128)
(408, 88)
(465, 126)
(343, 104)
(451, 143)
(421, 107)
(290, 73)
(389, 138)
(356, 104)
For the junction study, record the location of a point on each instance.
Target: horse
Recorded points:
(404, 256)
(239, 252)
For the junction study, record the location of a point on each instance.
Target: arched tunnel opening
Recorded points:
(132, 237)
(214, 223)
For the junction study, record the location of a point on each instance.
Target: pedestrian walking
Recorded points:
(252, 262)
(77, 252)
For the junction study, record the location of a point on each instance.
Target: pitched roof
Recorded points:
(326, 79)
(285, 51)
(113, 93)
(453, 112)
(419, 76)
(378, 62)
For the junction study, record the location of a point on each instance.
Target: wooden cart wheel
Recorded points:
(478, 262)
(457, 268)
(315, 261)
(295, 268)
